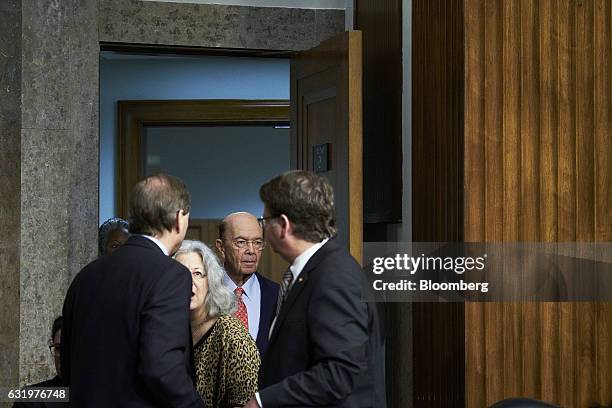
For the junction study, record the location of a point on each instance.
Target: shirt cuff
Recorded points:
(258, 398)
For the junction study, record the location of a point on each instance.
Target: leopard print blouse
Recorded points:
(227, 364)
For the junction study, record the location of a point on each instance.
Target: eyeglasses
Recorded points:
(262, 220)
(54, 348)
(258, 244)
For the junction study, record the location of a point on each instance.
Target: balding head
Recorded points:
(154, 203)
(234, 230)
(238, 220)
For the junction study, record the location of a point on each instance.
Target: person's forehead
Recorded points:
(191, 257)
(244, 226)
(117, 233)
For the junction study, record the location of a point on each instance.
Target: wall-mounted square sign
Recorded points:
(320, 158)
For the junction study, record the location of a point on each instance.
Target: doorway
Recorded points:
(195, 107)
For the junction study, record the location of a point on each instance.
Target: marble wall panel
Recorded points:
(45, 62)
(10, 185)
(83, 126)
(59, 167)
(270, 28)
(10, 64)
(46, 161)
(328, 23)
(213, 25)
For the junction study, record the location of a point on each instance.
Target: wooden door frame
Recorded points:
(133, 116)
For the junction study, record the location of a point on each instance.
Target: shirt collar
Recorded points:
(157, 242)
(302, 259)
(248, 286)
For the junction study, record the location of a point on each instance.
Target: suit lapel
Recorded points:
(293, 294)
(265, 309)
(298, 286)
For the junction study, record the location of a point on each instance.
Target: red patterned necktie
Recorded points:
(241, 313)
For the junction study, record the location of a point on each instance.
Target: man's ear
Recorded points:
(177, 220)
(220, 249)
(181, 215)
(285, 224)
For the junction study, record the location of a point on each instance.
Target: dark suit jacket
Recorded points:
(267, 309)
(326, 346)
(126, 339)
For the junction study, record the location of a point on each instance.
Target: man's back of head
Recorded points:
(159, 207)
(306, 198)
(154, 203)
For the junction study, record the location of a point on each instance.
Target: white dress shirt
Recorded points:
(296, 268)
(157, 242)
(252, 300)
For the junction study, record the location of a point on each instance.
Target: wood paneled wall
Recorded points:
(437, 184)
(381, 24)
(538, 122)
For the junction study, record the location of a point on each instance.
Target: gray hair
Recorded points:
(219, 299)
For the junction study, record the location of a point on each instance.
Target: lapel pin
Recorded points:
(300, 279)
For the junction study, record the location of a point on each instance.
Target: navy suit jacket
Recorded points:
(126, 340)
(326, 349)
(267, 310)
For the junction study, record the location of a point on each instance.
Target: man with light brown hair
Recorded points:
(126, 340)
(325, 345)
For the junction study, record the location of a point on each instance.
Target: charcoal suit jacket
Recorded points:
(267, 310)
(326, 346)
(126, 338)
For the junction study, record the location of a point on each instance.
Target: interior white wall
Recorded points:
(124, 78)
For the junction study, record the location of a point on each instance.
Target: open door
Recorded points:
(326, 126)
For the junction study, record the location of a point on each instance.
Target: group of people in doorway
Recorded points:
(160, 321)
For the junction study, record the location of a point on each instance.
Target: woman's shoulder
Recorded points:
(234, 332)
(231, 325)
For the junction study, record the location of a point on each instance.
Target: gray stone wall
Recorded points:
(214, 25)
(51, 172)
(10, 203)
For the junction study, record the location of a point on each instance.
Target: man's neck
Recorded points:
(239, 278)
(298, 248)
(168, 240)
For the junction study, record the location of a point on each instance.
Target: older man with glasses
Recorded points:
(240, 244)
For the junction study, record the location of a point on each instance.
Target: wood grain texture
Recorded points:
(326, 107)
(437, 180)
(474, 195)
(381, 25)
(538, 120)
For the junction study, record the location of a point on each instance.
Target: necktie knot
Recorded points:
(239, 291)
